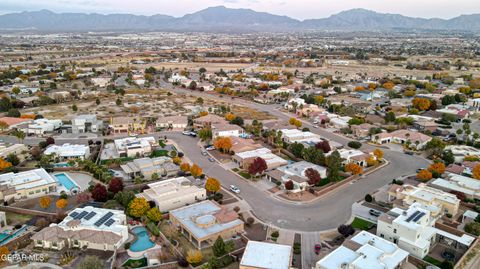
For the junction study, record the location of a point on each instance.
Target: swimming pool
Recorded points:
(5, 238)
(143, 241)
(66, 181)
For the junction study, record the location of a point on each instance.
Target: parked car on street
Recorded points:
(234, 189)
(375, 213)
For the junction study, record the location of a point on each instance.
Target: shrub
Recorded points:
(368, 198)
(354, 144)
(275, 234)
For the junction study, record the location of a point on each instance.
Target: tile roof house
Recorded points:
(416, 139)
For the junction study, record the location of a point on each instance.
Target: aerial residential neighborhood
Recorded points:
(224, 137)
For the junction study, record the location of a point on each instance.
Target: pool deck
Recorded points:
(140, 254)
(80, 179)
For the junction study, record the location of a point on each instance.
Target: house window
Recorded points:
(394, 231)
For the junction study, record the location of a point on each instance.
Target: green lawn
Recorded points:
(432, 261)
(159, 153)
(362, 224)
(245, 174)
(17, 218)
(131, 263)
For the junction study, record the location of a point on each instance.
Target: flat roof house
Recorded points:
(124, 125)
(438, 201)
(294, 135)
(202, 223)
(173, 193)
(365, 251)
(414, 231)
(68, 151)
(226, 130)
(461, 151)
(42, 126)
(135, 146)
(453, 182)
(28, 184)
(86, 123)
(261, 255)
(162, 166)
(89, 227)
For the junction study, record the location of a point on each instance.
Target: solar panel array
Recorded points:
(419, 216)
(90, 215)
(109, 222)
(73, 214)
(81, 215)
(413, 216)
(103, 219)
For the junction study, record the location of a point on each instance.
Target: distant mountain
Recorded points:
(226, 19)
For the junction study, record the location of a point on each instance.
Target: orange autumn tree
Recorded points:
(353, 168)
(61, 203)
(371, 161)
(476, 172)
(437, 169)
(203, 113)
(222, 143)
(424, 175)
(421, 103)
(185, 167)
(388, 85)
(359, 88)
(212, 185)
(45, 202)
(378, 153)
(195, 170)
(229, 116)
(4, 164)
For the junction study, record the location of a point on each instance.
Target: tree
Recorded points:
(13, 159)
(296, 149)
(324, 145)
(91, 262)
(138, 207)
(289, 185)
(346, 230)
(473, 228)
(219, 247)
(421, 103)
(195, 170)
(353, 168)
(368, 198)
(447, 157)
(334, 162)
(115, 185)
(154, 214)
(185, 167)
(313, 176)
(476, 172)
(205, 134)
(19, 134)
(446, 265)
(50, 141)
(223, 143)
(41, 223)
(177, 160)
(378, 153)
(212, 185)
(313, 155)
(354, 144)
(435, 147)
(194, 257)
(61, 203)
(45, 202)
(424, 175)
(99, 193)
(437, 169)
(124, 197)
(83, 197)
(4, 164)
(3, 125)
(13, 113)
(229, 116)
(258, 166)
(74, 108)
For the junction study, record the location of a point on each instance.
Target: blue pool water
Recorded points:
(65, 181)
(61, 165)
(5, 238)
(143, 242)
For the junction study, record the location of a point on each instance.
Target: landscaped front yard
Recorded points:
(362, 224)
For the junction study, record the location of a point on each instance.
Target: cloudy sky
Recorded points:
(300, 9)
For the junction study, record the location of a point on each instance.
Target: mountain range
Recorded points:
(230, 20)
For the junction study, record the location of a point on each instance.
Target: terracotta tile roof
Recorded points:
(13, 121)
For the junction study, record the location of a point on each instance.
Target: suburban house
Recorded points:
(296, 173)
(172, 122)
(243, 144)
(294, 135)
(414, 231)
(86, 123)
(414, 138)
(41, 126)
(365, 250)
(208, 121)
(294, 103)
(226, 130)
(68, 151)
(87, 227)
(244, 159)
(173, 193)
(161, 166)
(438, 201)
(25, 185)
(453, 182)
(15, 149)
(13, 123)
(127, 125)
(135, 146)
(353, 156)
(202, 223)
(462, 151)
(362, 130)
(262, 255)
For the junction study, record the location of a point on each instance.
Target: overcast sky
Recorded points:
(300, 9)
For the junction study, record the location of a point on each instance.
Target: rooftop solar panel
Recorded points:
(81, 215)
(412, 216)
(103, 219)
(90, 215)
(419, 216)
(109, 222)
(73, 214)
